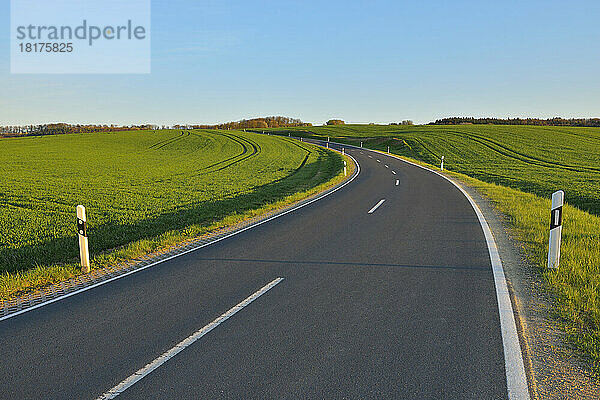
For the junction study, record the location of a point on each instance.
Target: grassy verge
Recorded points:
(576, 284)
(309, 180)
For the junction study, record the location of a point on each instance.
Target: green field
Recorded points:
(517, 168)
(139, 185)
(538, 160)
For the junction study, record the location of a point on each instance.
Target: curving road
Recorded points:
(387, 292)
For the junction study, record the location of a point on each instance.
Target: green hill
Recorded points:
(139, 185)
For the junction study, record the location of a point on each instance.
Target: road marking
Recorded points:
(387, 166)
(372, 210)
(378, 160)
(394, 172)
(516, 379)
(85, 289)
(362, 152)
(370, 156)
(397, 182)
(142, 373)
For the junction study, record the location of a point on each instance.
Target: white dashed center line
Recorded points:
(372, 210)
(139, 375)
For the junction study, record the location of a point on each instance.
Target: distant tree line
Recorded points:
(405, 122)
(335, 122)
(266, 122)
(62, 128)
(557, 121)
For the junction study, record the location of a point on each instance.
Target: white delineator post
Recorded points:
(558, 199)
(327, 144)
(361, 145)
(343, 151)
(388, 149)
(442, 167)
(345, 170)
(84, 252)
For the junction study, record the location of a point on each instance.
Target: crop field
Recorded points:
(139, 185)
(538, 160)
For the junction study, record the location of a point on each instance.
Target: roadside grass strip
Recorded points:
(576, 283)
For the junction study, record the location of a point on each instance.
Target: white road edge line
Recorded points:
(397, 182)
(387, 166)
(394, 172)
(142, 373)
(319, 197)
(516, 379)
(378, 160)
(376, 206)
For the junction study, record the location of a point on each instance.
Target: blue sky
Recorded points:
(362, 61)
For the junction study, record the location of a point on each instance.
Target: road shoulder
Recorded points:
(554, 372)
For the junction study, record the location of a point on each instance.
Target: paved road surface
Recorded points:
(396, 303)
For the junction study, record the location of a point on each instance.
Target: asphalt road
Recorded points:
(396, 303)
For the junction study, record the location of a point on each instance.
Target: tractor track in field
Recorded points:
(167, 142)
(256, 150)
(182, 137)
(231, 160)
(420, 143)
(508, 152)
(248, 146)
(580, 136)
(249, 149)
(244, 143)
